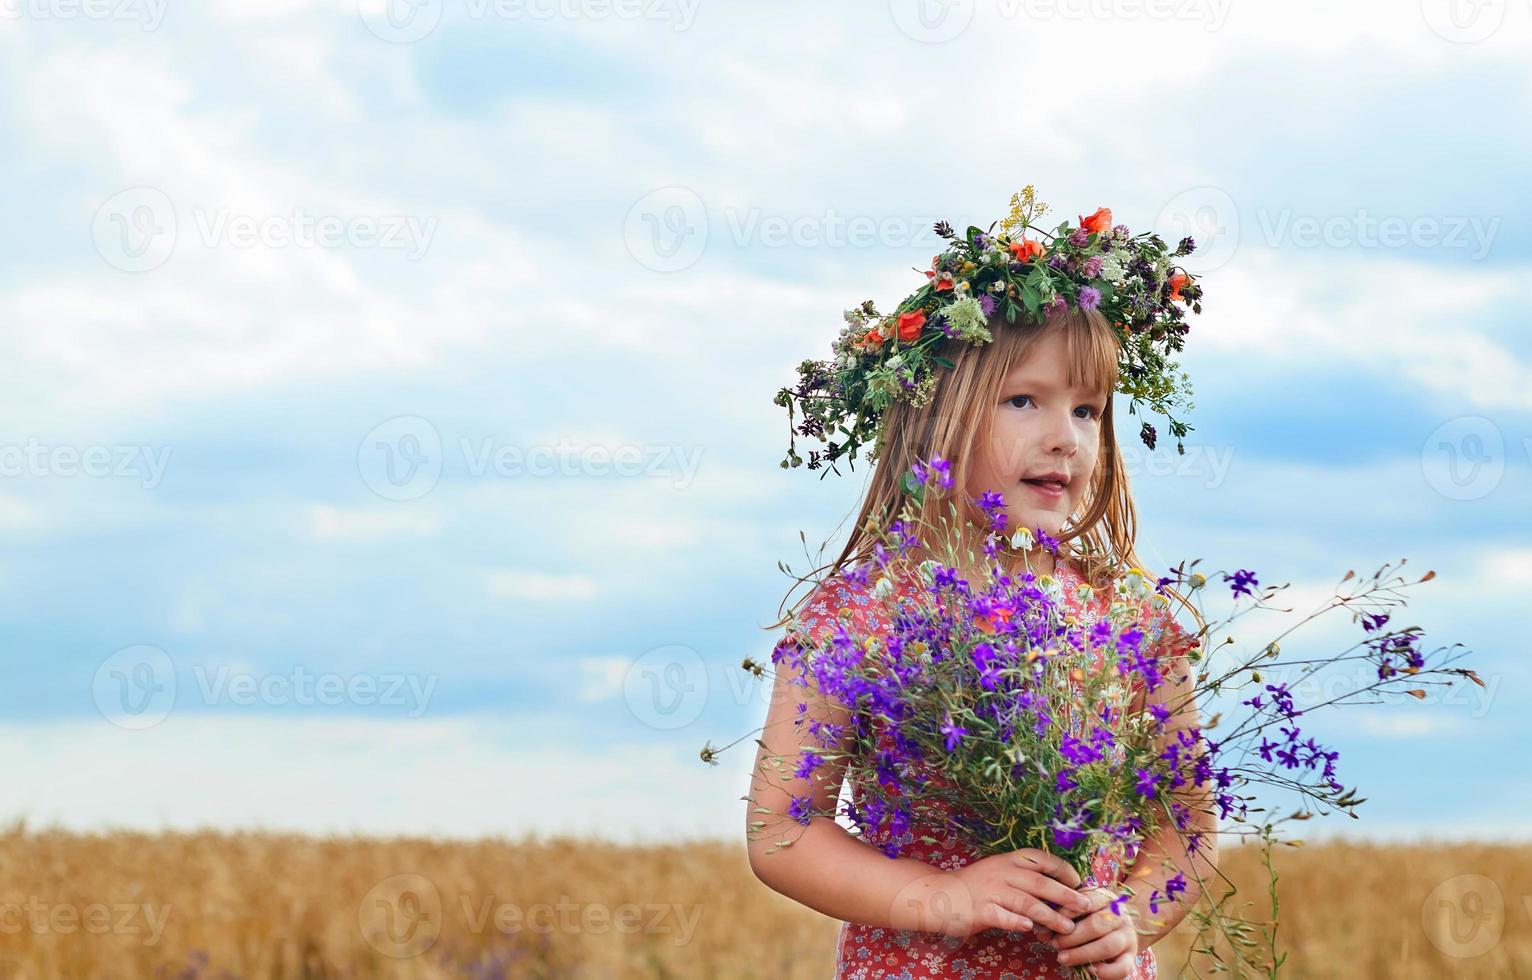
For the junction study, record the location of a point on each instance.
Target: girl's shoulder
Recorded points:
(839, 598)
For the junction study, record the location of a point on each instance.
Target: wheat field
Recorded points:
(261, 905)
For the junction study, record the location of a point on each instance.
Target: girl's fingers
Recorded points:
(1049, 864)
(1119, 969)
(1070, 902)
(1086, 930)
(1099, 898)
(1107, 948)
(1010, 920)
(1025, 904)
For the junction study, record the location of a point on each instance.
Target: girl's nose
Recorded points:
(1061, 434)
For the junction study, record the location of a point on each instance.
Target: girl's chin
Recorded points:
(1049, 522)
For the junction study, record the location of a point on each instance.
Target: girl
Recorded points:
(1028, 415)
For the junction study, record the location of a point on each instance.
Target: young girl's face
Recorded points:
(1043, 432)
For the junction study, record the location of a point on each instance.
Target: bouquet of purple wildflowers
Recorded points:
(993, 706)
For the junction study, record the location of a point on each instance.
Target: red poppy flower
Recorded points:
(1098, 222)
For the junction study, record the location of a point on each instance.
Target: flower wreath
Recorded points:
(1024, 271)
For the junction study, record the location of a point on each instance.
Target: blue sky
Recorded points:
(560, 233)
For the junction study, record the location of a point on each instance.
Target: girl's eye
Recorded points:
(1090, 410)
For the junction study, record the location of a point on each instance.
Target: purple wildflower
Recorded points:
(986, 657)
(1241, 581)
(801, 809)
(905, 537)
(992, 503)
(1067, 837)
(1175, 886)
(953, 732)
(1090, 297)
(943, 470)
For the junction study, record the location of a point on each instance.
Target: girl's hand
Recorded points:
(1009, 891)
(1102, 939)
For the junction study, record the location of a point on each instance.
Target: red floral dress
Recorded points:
(866, 952)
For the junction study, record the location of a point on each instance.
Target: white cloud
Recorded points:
(17, 514)
(511, 583)
(459, 777)
(220, 315)
(327, 522)
(1506, 568)
(1375, 316)
(1411, 726)
(602, 677)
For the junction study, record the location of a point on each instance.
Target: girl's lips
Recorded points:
(1053, 491)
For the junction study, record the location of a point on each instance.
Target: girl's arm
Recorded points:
(833, 872)
(825, 867)
(1164, 854)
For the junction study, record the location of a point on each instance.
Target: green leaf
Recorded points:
(944, 362)
(1030, 297)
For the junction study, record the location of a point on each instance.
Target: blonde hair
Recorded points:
(1099, 537)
